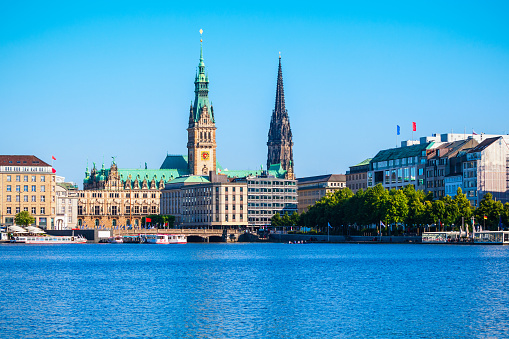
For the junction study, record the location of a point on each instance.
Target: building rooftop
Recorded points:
(401, 152)
(21, 160)
(483, 145)
(322, 178)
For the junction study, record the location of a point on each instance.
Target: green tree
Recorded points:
(465, 210)
(451, 210)
(376, 203)
(491, 209)
(294, 219)
(24, 218)
(397, 207)
(285, 220)
(438, 212)
(276, 221)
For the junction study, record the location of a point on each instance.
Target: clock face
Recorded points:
(205, 155)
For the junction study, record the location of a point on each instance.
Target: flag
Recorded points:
(148, 219)
(53, 157)
(53, 170)
(328, 223)
(414, 126)
(381, 223)
(398, 130)
(485, 217)
(473, 132)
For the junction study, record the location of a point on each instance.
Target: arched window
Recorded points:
(96, 222)
(80, 222)
(136, 222)
(128, 222)
(114, 222)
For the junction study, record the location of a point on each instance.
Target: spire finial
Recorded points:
(279, 55)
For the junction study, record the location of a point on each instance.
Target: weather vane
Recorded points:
(201, 32)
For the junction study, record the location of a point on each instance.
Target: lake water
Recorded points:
(254, 290)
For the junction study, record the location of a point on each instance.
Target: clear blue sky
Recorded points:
(91, 80)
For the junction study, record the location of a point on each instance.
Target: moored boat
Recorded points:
(48, 239)
(164, 238)
(116, 240)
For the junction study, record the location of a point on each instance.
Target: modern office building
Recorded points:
(268, 195)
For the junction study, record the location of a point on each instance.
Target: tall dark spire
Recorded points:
(280, 92)
(280, 142)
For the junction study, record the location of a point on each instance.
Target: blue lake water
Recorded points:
(254, 290)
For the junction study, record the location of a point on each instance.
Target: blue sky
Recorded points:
(90, 80)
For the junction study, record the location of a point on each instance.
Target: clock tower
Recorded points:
(201, 142)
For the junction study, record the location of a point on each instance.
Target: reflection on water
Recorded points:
(254, 290)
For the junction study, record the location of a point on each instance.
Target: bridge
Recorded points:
(192, 234)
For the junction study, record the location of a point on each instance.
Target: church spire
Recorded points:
(280, 92)
(280, 142)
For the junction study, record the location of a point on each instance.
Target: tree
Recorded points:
(294, 219)
(464, 207)
(397, 207)
(491, 209)
(285, 220)
(276, 221)
(24, 218)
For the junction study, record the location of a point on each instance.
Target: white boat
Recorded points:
(116, 240)
(48, 239)
(164, 238)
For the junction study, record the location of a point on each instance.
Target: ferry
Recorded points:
(48, 239)
(440, 237)
(164, 238)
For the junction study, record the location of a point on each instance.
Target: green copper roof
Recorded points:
(275, 170)
(176, 162)
(149, 174)
(362, 163)
(190, 179)
(401, 152)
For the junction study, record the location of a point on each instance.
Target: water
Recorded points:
(253, 290)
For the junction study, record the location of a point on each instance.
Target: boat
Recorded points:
(116, 240)
(48, 239)
(164, 238)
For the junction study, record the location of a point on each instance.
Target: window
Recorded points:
(80, 210)
(33, 188)
(17, 198)
(25, 178)
(9, 188)
(25, 188)
(43, 178)
(97, 210)
(8, 178)
(18, 178)
(43, 188)
(8, 210)
(43, 210)
(25, 198)
(34, 198)
(145, 209)
(25, 209)
(18, 188)
(8, 198)
(34, 210)
(113, 210)
(33, 178)
(43, 198)
(128, 209)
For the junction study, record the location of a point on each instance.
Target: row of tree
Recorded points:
(405, 207)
